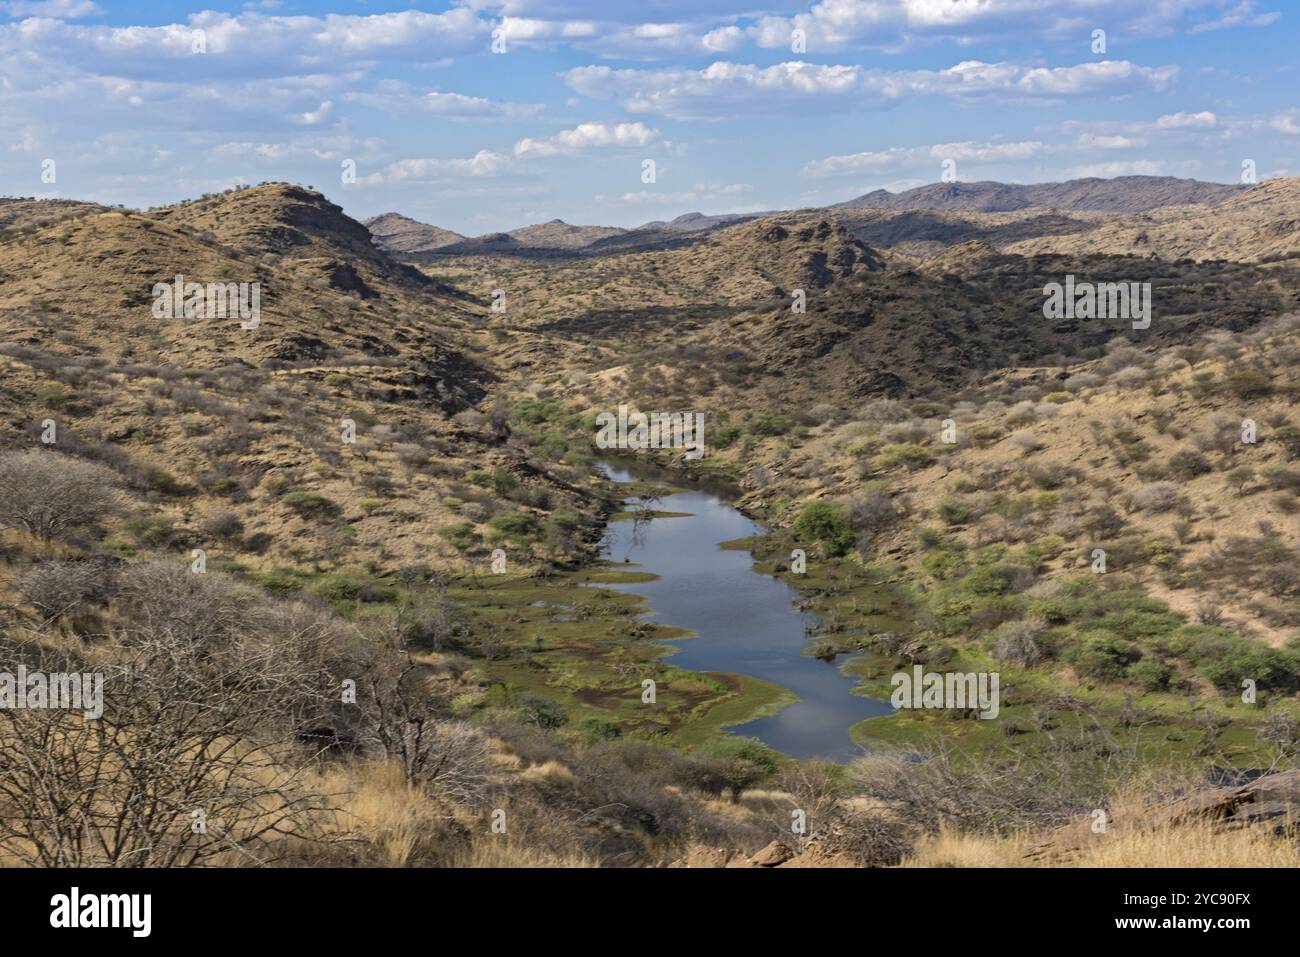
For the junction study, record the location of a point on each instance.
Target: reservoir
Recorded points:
(745, 622)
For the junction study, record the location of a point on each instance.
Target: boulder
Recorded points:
(773, 855)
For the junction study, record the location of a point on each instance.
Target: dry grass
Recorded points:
(1189, 845)
(396, 819)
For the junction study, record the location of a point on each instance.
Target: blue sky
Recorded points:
(742, 105)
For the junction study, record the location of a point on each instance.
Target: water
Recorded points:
(746, 622)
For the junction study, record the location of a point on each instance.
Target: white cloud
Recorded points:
(1118, 168)
(724, 87)
(482, 163)
(247, 45)
(1183, 121)
(398, 98)
(831, 25)
(54, 9)
(899, 157)
(583, 138)
(587, 136)
(1242, 15)
(317, 116)
(1102, 141)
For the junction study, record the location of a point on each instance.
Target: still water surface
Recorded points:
(746, 622)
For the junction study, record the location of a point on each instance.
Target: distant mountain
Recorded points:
(1258, 223)
(1123, 194)
(557, 234)
(696, 222)
(401, 234)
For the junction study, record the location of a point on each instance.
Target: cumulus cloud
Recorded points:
(54, 9)
(1119, 168)
(399, 98)
(483, 163)
(1184, 121)
(898, 157)
(587, 136)
(246, 45)
(1285, 123)
(831, 25)
(1102, 141)
(583, 138)
(723, 87)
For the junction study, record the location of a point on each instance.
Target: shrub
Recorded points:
(1018, 642)
(827, 523)
(56, 589)
(53, 496)
(517, 525)
(344, 587)
(952, 510)
(870, 513)
(1248, 384)
(734, 763)
(1157, 497)
(1105, 657)
(224, 526)
(1187, 464)
(461, 535)
(310, 505)
(1149, 674)
(907, 454)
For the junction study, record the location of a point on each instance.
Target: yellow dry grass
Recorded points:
(1188, 845)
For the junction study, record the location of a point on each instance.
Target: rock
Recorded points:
(773, 855)
(1276, 816)
(1284, 786)
(1212, 804)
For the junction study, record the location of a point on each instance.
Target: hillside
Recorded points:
(245, 425)
(949, 459)
(401, 234)
(557, 234)
(1257, 224)
(1122, 194)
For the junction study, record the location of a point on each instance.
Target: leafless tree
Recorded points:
(193, 760)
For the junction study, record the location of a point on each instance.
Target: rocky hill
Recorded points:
(324, 427)
(1122, 194)
(1255, 224)
(401, 234)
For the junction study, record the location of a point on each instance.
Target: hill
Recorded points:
(222, 419)
(401, 234)
(1122, 194)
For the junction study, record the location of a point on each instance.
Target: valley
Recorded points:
(651, 658)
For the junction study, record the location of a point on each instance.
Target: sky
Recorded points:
(486, 115)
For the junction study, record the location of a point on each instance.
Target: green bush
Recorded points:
(340, 586)
(310, 505)
(906, 454)
(1149, 674)
(1105, 657)
(519, 525)
(953, 510)
(827, 523)
(461, 535)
